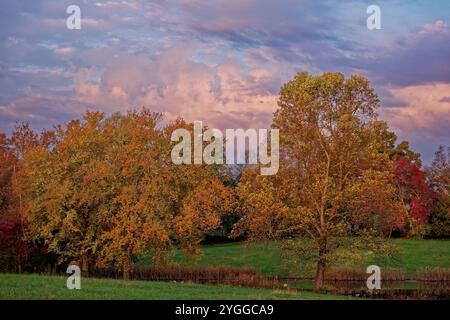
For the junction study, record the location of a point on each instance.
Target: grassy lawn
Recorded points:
(13, 286)
(263, 257)
(422, 253)
(266, 258)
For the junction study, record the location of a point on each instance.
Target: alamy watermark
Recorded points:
(74, 280)
(374, 280)
(214, 152)
(374, 20)
(73, 22)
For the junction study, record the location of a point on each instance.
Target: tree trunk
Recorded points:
(19, 262)
(321, 265)
(85, 265)
(126, 268)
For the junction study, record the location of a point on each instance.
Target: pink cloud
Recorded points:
(177, 85)
(424, 112)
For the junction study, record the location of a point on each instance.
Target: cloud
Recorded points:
(178, 86)
(219, 61)
(64, 51)
(420, 58)
(422, 117)
(423, 112)
(294, 31)
(39, 110)
(119, 5)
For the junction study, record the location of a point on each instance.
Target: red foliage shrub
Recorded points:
(413, 188)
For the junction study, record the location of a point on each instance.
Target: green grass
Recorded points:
(421, 253)
(14, 286)
(266, 258)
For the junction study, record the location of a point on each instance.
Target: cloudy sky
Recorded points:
(222, 61)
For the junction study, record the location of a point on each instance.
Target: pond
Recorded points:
(405, 289)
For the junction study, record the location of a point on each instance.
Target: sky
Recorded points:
(222, 61)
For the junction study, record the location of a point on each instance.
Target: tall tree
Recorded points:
(136, 154)
(438, 175)
(64, 192)
(331, 145)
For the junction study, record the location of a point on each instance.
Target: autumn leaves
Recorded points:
(105, 189)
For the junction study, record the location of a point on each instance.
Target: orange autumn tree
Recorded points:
(64, 190)
(11, 236)
(7, 166)
(201, 212)
(13, 150)
(334, 178)
(199, 198)
(158, 204)
(137, 154)
(106, 190)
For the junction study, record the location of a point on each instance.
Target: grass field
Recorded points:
(13, 286)
(266, 258)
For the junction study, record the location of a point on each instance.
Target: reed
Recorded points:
(247, 277)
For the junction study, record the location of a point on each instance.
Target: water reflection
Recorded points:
(405, 289)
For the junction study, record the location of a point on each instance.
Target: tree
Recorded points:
(332, 145)
(413, 192)
(157, 204)
(13, 225)
(7, 165)
(199, 198)
(103, 190)
(438, 175)
(136, 154)
(402, 150)
(63, 188)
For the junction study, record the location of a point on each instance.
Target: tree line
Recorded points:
(102, 190)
